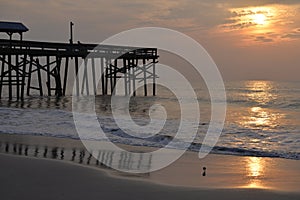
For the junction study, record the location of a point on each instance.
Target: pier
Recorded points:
(46, 67)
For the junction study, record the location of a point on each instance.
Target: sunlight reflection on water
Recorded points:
(258, 117)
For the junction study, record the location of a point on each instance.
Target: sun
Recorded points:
(253, 19)
(259, 19)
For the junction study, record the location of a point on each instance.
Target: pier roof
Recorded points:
(12, 27)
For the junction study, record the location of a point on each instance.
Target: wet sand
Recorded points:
(227, 177)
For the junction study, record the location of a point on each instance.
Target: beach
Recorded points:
(256, 156)
(150, 100)
(227, 177)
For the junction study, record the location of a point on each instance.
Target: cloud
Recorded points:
(263, 39)
(94, 18)
(277, 18)
(243, 3)
(295, 34)
(238, 25)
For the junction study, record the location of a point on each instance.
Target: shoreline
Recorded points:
(223, 171)
(76, 141)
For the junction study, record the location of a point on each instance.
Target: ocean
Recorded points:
(263, 119)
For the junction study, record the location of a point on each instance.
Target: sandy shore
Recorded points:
(29, 178)
(228, 177)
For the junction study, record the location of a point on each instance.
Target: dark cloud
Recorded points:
(247, 12)
(237, 26)
(263, 39)
(242, 13)
(291, 36)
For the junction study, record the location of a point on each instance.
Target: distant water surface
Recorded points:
(263, 118)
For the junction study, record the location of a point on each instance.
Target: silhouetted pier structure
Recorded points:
(49, 63)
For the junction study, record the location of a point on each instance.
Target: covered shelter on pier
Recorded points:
(13, 27)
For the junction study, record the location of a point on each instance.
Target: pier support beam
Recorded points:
(40, 87)
(58, 88)
(145, 77)
(154, 77)
(76, 76)
(29, 75)
(66, 75)
(23, 76)
(2, 74)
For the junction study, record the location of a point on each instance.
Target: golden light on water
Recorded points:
(255, 169)
(258, 116)
(263, 117)
(261, 92)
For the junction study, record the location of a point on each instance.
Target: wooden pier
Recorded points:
(46, 67)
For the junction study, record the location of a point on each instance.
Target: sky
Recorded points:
(257, 39)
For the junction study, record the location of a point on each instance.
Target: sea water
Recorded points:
(263, 119)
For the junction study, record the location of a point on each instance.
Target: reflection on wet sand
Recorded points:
(255, 170)
(224, 171)
(124, 160)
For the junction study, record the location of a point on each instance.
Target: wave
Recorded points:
(163, 140)
(60, 124)
(250, 152)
